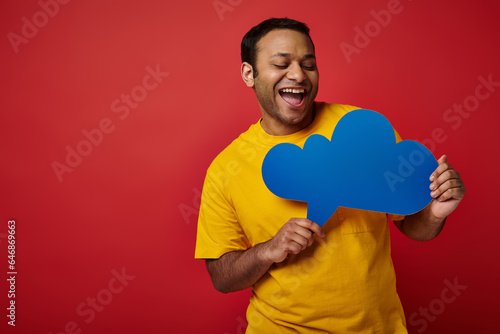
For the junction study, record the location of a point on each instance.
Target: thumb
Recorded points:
(443, 159)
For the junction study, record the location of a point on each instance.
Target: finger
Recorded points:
(449, 174)
(310, 225)
(289, 242)
(303, 231)
(452, 193)
(292, 233)
(306, 233)
(449, 184)
(301, 236)
(443, 159)
(439, 170)
(292, 247)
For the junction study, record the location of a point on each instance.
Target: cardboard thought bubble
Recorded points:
(362, 167)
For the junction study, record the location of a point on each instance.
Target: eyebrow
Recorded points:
(288, 55)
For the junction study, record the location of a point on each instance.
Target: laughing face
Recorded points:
(287, 81)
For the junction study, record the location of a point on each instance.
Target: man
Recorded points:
(304, 278)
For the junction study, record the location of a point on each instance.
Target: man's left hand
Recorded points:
(447, 189)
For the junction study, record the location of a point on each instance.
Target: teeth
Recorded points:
(295, 91)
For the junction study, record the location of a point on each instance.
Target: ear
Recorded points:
(247, 74)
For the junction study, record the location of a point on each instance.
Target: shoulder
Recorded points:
(242, 146)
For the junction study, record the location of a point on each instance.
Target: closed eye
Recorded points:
(309, 68)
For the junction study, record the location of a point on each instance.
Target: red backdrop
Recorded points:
(112, 111)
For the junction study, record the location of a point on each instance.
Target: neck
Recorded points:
(277, 127)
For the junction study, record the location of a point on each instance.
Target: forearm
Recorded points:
(421, 226)
(235, 271)
(239, 270)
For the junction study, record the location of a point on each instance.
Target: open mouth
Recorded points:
(293, 96)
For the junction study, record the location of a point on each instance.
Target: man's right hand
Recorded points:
(239, 270)
(293, 237)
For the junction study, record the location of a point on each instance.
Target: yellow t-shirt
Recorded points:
(343, 283)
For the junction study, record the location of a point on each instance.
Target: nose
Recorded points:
(296, 73)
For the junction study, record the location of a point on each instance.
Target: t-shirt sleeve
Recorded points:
(219, 231)
(393, 216)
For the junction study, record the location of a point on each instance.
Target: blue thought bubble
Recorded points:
(362, 167)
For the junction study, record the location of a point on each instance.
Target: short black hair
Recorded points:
(249, 42)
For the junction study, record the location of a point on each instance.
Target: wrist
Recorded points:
(263, 253)
(435, 220)
(432, 219)
(427, 216)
